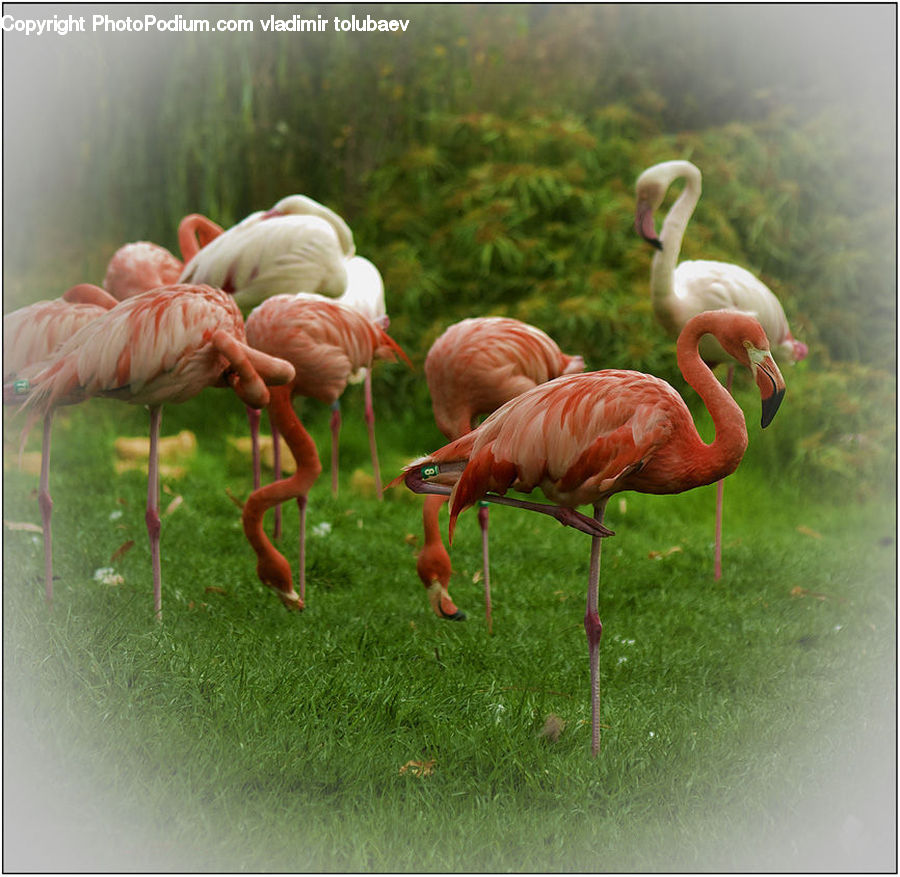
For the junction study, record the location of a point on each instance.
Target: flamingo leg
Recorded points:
(335, 435)
(483, 521)
(152, 515)
(720, 494)
(276, 466)
(593, 628)
(45, 504)
(566, 516)
(370, 426)
(253, 417)
(301, 574)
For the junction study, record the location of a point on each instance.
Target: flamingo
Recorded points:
(364, 294)
(32, 333)
(165, 345)
(140, 266)
(582, 438)
(473, 368)
(325, 342)
(697, 286)
(297, 246)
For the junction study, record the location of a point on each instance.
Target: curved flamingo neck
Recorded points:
(666, 304)
(272, 567)
(195, 231)
(710, 462)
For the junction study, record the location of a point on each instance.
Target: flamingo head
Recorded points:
(743, 338)
(275, 572)
(651, 188)
(650, 196)
(433, 567)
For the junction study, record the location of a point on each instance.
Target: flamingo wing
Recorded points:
(152, 348)
(279, 255)
(577, 438)
(705, 286)
(34, 332)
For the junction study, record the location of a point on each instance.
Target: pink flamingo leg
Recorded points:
(483, 521)
(335, 435)
(276, 466)
(253, 416)
(152, 516)
(720, 493)
(370, 425)
(593, 628)
(46, 506)
(301, 574)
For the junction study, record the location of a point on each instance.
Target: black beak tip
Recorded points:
(655, 242)
(459, 615)
(770, 406)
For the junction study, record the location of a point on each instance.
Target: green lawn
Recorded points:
(748, 724)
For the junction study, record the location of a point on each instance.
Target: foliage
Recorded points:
(488, 167)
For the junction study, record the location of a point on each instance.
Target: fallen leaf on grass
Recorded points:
(124, 548)
(658, 555)
(172, 506)
(411, 539)
(808, 531)
(477, 577)
(419, 768)
(214, 589)
(623, 505)
(553, 727)
(238, 502)
(362, 482)
(23, 525)
(561, 595)
(798, 591)
(244, 446)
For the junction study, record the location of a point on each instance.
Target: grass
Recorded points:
(748, 725)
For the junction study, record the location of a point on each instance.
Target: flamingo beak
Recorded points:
(441, 603)
(770, 382)
(644, 224)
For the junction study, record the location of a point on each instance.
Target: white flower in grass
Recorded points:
(115, 515)
(322, 529)
(106, 575)
(498, 710)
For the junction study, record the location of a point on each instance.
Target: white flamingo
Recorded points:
(682, 292)
(297, 246)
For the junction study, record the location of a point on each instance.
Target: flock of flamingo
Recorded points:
(163, 329)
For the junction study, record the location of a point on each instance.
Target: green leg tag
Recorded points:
(483, 503)
(430, 471)
(20, 387)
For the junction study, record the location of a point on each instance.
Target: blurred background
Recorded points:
(485, 159)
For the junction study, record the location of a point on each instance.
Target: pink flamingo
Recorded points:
(325, 342)
(165, 345)
(32, 334)
(299, 245)
(473, 368)
(582, 438)
(140, 266)
(693, 287)
(364, 294)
